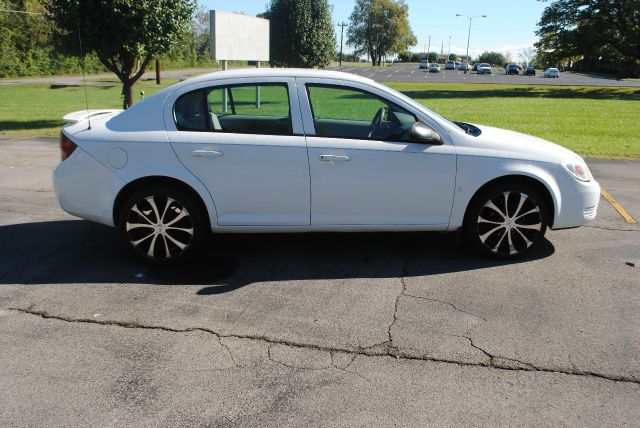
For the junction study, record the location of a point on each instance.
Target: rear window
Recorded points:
(241, 109)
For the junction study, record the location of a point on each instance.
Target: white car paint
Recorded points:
(484, 68)
(278, 184)
(82, 115)
(552, 72)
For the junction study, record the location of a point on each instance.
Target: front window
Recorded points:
(343, 112)
(241, 109)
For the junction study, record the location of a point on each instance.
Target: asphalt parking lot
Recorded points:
(411, 73)
(322, 329)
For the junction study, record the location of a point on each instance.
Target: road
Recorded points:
(322, 329)
(411, 73)
(393, 73)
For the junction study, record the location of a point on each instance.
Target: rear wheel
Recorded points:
(163, 225)
(506, 221)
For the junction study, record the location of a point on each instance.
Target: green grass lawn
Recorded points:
(593, 121)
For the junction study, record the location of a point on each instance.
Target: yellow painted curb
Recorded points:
(615, 204)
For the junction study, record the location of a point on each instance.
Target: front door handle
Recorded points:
(334, 158)
(207, 154)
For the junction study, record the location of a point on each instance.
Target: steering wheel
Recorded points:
(377, 121)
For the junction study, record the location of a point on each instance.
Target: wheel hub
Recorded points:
(160, 227)
(509, 223)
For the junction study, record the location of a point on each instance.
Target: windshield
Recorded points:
(485, 65)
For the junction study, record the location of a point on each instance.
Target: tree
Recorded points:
(301, 33)
(494, 58)
(591, 29)
(527, 55)
(453, 57)
(379, 28)
(125, 34)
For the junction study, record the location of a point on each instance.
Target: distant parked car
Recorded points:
(513, 69)
(475, 67)
(450, 65)
(552, 72)
(434, 68)
(464, 66)
(424, 64)
(484, 68)
(530, 71)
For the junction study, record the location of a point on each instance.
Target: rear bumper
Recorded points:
(85, 188)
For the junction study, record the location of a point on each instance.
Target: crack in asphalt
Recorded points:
(389, 344)
(612, 228)
(446, 303)
(384, 349)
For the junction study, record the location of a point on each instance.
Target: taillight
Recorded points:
(66, 146)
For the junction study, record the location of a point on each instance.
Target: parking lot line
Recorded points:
(13, 140)
(26, 159)
(616, 205)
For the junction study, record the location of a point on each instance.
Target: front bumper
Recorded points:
(579, 202)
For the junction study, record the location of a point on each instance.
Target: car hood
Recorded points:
(518, 145)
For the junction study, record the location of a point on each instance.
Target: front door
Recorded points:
(364, 170)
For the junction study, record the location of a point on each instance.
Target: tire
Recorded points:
(163, 225)
(506, 233)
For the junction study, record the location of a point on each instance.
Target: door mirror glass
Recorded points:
(421, 133)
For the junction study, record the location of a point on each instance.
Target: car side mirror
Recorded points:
(421, 133)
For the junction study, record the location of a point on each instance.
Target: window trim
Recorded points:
(307, 85)
(207, 89)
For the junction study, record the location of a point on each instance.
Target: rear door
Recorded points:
(244, 140)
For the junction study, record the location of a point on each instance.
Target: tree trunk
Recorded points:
(127, 92)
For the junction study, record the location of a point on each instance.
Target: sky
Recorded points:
(509, 27)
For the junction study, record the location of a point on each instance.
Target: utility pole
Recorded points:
(469, 34)
(341, 25)
(428, 49)
(449, 55)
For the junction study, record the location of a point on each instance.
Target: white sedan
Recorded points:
(552, 72)
(484, 68)
(281, 150)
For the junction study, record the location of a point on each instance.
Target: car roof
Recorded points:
(276, 72)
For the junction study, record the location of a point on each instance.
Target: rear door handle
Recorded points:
(334, 158)
(207, 154)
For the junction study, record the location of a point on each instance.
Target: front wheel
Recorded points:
(163, 225)
(506, 221)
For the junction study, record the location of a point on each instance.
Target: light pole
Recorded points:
(471, 18)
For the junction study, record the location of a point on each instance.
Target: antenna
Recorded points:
(84, 79)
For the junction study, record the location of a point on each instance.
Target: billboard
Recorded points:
(238, 37)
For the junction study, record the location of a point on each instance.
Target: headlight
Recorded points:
(578, 169)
